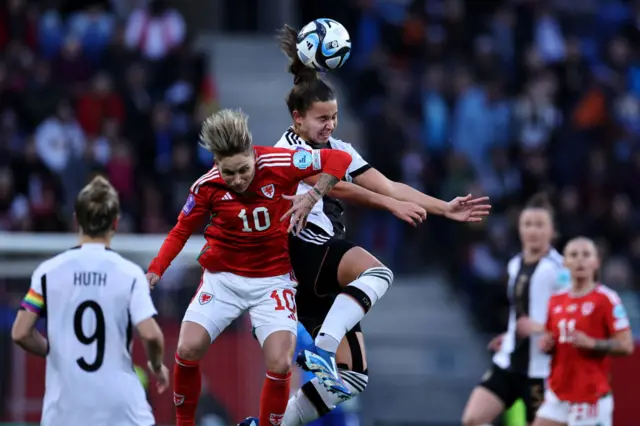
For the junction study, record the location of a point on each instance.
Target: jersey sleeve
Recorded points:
(615, 314)
(195, 210)
(34, 301)
(306, 163)
(358, 164)
(140, 305)
(539, 309)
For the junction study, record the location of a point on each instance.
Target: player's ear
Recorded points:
(297, 117)
(115, 223)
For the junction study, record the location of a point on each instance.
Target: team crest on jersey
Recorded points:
(205, 298)
(587, 308)
(178, 399)
(189, 205)
(276, 419)
(269, 190)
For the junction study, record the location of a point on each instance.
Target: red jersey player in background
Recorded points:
(586, 325)
(246, 199)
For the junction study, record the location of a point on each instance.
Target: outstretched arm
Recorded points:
(463, 209)
(191, 217)
(352, 193)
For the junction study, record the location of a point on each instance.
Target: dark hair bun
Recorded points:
(288, 40)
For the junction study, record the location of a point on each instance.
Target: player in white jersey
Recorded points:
(519, 366)
(338, 282)
(91, 298)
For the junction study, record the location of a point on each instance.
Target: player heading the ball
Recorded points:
(249, 204)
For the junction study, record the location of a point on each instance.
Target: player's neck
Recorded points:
(105, 241)
(581, 288)
(533, 256)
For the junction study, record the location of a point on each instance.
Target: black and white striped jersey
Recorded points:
(529, 289)
(327, 217)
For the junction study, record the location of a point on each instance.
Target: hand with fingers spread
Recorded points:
(411, 213)
(302, 204)
(468, 209)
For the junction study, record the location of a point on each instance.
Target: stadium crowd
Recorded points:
(506, 99)
(90, 91)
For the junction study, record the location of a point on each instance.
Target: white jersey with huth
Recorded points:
(529, 289)
(91, 298)
(327, 217)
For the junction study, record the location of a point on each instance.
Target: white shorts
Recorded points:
(223, 297)
(582, 414)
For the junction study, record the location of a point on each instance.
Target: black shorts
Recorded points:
(316, 269)
(510, 386)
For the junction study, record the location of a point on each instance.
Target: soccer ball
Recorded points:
(324, 44)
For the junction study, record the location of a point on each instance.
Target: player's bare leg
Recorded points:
(278, 351)
(193, 344)
(313, 400)
(482, 408)
(364, 280)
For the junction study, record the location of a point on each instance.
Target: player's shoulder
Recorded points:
(514, 263)
(206, 180)
(125, 265)
(291, 141)
(341, 145)
(270, 159)
(55, 262)
(272, 151)
(553, 259)
(607, 294)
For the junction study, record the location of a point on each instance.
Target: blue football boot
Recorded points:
(323, 365)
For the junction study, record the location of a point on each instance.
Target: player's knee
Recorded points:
(278, 363)
(192, 344)
(370, 286)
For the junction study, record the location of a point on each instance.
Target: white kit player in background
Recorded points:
(91, 298)
(520, 368)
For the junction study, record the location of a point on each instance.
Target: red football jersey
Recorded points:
(578, 375)
(244, 235)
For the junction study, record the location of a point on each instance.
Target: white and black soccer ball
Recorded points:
(324, 44)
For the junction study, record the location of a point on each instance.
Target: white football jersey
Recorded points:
(529, 289)
(91, 298)
(323, 229)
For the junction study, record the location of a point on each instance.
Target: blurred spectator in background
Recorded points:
(155, 30)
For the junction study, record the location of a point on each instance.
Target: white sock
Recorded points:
(342, 317)
(346, 311)
(299, 410)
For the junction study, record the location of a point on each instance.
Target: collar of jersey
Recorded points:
(93, 246)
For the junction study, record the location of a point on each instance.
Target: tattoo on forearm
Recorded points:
(607, 346)
(324, 184)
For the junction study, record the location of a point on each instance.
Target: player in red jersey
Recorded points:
(586, 325)
(246, 196)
